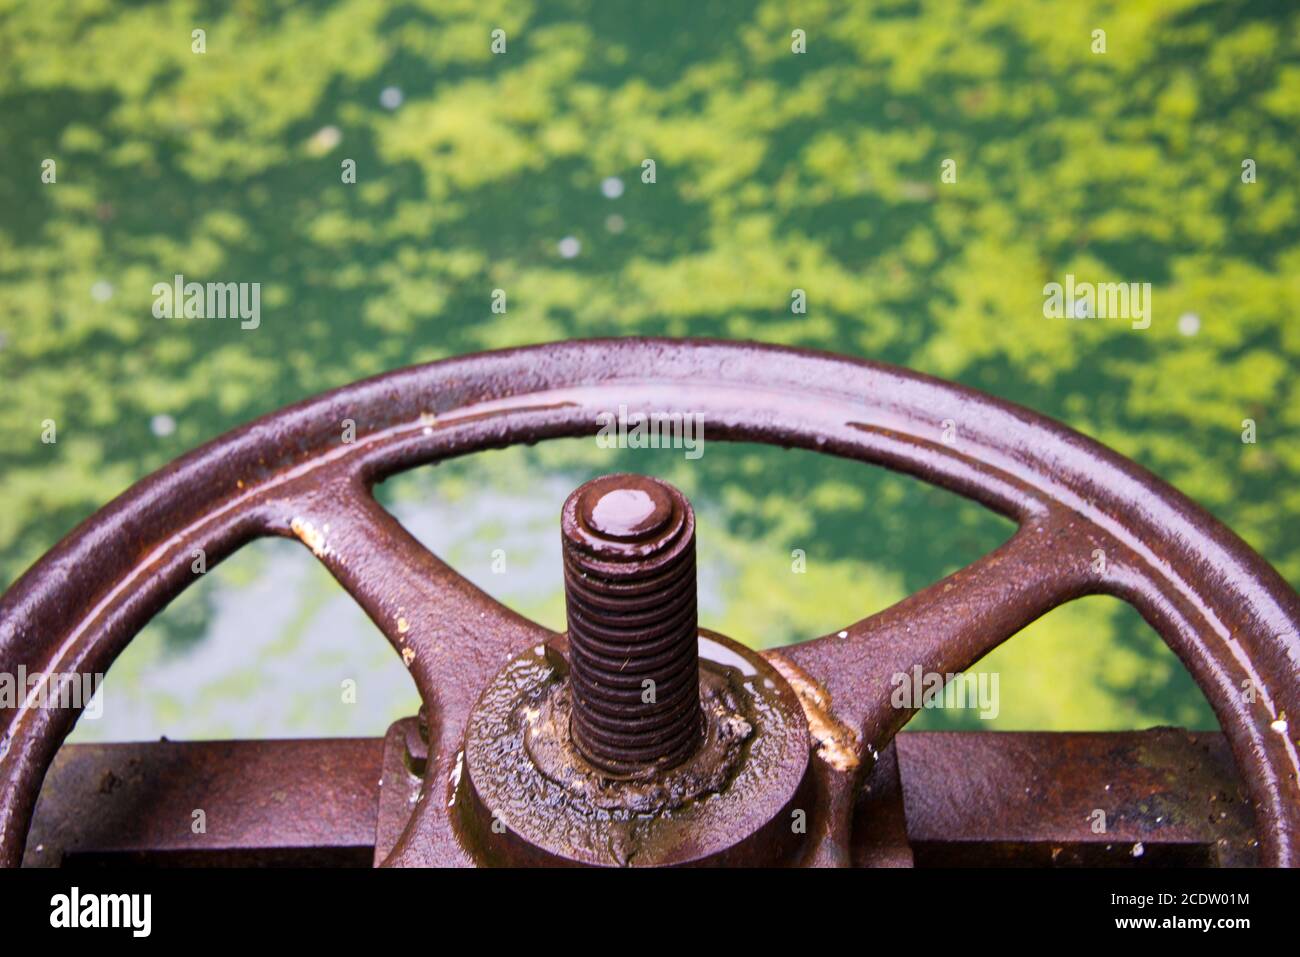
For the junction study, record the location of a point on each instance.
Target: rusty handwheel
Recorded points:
(636, 738)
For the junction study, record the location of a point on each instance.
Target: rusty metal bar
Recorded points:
(1158, 797)
(935, 798)
(302, 802)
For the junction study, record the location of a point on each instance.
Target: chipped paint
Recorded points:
(408, 655)
(403, 626)
(310, 536)
(454, 778)
(837, 743)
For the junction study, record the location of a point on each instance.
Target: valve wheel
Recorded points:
(1227, 614)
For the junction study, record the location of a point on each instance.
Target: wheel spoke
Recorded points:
(451, 634)
(846, 678)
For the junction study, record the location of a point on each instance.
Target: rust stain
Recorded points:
(310, 536)
(837, 744)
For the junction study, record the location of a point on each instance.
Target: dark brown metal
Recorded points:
(406, 758)
(1126, 798)
(526, 796)
(1229, 616)
(629, 588)
(880, 836)
(307, 802)
(947, 797)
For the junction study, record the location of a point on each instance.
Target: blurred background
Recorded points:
(522, 171)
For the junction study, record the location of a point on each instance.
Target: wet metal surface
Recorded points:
(1229, 616)
(957, 798)
(629, 589)
(526, 797)
(1163, 796)
(307, 802)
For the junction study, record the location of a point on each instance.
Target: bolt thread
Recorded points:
(629, 584)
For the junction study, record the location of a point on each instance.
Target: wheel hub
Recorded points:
(528, 796)
(635, 738)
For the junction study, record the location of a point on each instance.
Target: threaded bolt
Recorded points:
(629, 586)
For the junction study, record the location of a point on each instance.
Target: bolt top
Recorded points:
(620, 518)
(624, 507)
